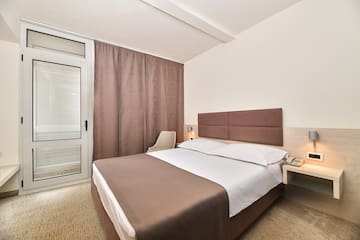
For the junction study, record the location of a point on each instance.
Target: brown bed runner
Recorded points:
(163, 202)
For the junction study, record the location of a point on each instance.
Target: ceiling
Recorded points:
(173, 29)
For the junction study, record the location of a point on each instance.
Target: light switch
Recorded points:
(315, 156)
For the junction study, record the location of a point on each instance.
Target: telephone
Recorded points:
(294, 161)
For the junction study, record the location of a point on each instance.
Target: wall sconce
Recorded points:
(189, 129)
(314, 136)
(190, 132)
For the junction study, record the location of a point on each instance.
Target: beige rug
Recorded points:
(288, 220)
(66, 213)
(69, 213)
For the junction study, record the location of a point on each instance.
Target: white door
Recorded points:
(55, 125)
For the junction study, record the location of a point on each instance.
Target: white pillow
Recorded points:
(253, 153)
(201, 144)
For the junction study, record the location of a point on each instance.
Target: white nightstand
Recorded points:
(316, 178)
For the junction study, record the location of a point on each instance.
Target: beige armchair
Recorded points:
(166, 140)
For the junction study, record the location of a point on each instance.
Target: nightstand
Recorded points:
(316, 178)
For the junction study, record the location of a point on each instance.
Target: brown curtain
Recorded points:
(106, 110)
(136, 97)
(165, 92)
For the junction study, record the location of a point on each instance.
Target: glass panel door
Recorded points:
(56, 107)
(55, 137)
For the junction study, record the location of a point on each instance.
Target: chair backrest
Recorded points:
(166, 139)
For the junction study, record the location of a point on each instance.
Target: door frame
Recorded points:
(25, 114)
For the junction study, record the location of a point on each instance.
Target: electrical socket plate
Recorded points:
(315, 156)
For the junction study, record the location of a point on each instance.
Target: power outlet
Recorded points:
(315, 156)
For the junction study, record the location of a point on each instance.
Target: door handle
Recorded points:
(86, 125)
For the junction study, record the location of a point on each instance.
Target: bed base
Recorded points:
(238, 224)
(241, 221)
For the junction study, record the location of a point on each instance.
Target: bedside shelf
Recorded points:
(6, 172)
(311, 183)
(315, 178)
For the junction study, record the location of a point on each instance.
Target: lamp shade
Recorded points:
(313, 136)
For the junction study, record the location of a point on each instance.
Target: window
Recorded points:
(40, 40)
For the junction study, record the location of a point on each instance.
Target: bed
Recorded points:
(192, 193)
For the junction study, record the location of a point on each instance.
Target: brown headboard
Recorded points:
(258, 126)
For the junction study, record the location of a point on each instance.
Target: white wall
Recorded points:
(5, 32)
(9, 69)
(306, 59)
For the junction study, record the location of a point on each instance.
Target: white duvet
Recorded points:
(244, 182)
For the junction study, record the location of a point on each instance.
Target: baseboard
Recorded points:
(9, 194)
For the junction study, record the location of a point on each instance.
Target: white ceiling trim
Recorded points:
(191, 19)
